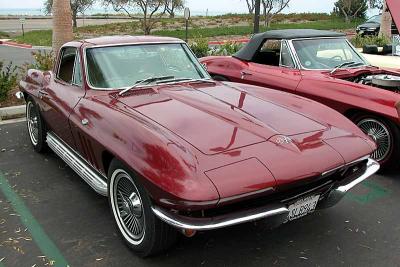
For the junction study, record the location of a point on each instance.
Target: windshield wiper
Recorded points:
(146, 81)
(187, 80)
(346, 64)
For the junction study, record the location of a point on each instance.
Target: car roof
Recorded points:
(248, 51)
(128, 39)
(297, 33)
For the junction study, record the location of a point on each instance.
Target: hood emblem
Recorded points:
(282, 140)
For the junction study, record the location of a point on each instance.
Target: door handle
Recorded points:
(42, 93)
(85, 122)
(245, 73)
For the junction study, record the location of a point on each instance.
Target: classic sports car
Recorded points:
(140, 120)
(323, 66)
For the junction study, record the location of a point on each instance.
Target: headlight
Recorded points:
(372, 29)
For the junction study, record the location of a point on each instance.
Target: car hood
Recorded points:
(217, 118)
(394, 7)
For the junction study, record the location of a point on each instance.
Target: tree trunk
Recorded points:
(386, 22)
(74, 18)
(62, 24)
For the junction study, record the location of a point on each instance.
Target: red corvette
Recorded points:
(140, 120)
(325, 67)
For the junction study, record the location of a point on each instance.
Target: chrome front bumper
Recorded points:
(278, 213)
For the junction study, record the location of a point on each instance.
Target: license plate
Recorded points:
(302, 207)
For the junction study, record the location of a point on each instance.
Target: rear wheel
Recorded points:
(36, 126)
(130, 204)
(385, 134)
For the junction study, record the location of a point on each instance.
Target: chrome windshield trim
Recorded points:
(290, 42)
(124, 44)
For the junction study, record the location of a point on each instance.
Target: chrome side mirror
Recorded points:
(19, 95)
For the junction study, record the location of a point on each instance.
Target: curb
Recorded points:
(14, 44)
(12, 112)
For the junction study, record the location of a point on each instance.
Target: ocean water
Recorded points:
(40, 12)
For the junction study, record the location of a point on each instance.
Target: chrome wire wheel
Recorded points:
(32, 121)
(380, 133)
(127, 207)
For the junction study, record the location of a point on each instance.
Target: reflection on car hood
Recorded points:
(217, 118)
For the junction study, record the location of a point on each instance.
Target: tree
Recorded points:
(77, 7)
(152, 10)
(386, 22)
(376, 4)
(172, 5)
(351, 9)
(251, 6)
(271, 8)
(62, 24)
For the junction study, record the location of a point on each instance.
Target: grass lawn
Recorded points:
(4, 35)
(43, 37)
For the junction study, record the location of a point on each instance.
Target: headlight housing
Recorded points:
(397, 106)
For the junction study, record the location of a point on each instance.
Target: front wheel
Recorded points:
(130, 204)
(36, 126)
(385, 134)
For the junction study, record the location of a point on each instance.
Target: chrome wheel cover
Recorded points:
(380, 134)
(127, 207)
(32, 121)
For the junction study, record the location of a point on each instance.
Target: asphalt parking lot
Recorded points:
(49, 216)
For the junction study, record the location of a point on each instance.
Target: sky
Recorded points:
(234, 6)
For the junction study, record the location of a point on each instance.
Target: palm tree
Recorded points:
(386, 22)
(62, 24)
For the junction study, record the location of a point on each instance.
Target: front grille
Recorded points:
(288, 194)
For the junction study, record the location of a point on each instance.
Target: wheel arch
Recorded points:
(350, 113)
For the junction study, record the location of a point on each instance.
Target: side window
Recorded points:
(67, 63)
(77, 71)
(269, 53)
(286, 57)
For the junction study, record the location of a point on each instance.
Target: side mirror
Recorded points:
(19, 95)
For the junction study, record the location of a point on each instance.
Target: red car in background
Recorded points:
(323, 66)
(141, 121)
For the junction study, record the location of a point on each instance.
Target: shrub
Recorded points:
(360, 41)
(200, 47)
(226, 49)
(43, 61)
(8, 79)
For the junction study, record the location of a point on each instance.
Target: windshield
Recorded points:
(119, 67)
(375, 19)
(325, 53)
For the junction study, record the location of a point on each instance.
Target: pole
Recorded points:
(23, 31)
(257, 16)
(187, 30)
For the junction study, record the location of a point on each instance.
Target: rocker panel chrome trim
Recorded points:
(92, 177)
